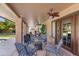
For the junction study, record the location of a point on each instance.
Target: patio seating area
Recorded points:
(39, 29)
(12, 47)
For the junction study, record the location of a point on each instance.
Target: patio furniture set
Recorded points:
(33, 44)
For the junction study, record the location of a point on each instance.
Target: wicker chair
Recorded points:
(55, 50)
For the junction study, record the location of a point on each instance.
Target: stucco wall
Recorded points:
(19, 30)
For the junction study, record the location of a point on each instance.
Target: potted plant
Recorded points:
(43, 29)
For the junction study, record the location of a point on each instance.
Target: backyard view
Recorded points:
(7, 28)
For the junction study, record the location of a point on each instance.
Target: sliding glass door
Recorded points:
(66, 33)
(68, 30)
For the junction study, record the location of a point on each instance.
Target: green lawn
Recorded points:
(6, 36)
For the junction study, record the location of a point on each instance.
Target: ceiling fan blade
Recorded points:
(53, 14)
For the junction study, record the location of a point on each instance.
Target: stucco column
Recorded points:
(19, 30)
(48, 27)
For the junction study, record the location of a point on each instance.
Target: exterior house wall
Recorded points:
(72, 9)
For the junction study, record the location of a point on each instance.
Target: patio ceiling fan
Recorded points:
(53, 14)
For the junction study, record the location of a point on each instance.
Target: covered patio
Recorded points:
(38, 32)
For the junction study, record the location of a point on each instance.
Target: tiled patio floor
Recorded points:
(63, 52)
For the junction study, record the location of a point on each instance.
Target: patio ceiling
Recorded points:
(36, 12)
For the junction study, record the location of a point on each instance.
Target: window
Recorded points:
(53, 29)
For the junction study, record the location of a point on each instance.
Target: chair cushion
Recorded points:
(50, 48)
(31, 49)
(21, 49)
(43, 38)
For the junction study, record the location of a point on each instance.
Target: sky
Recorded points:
(2, 19)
